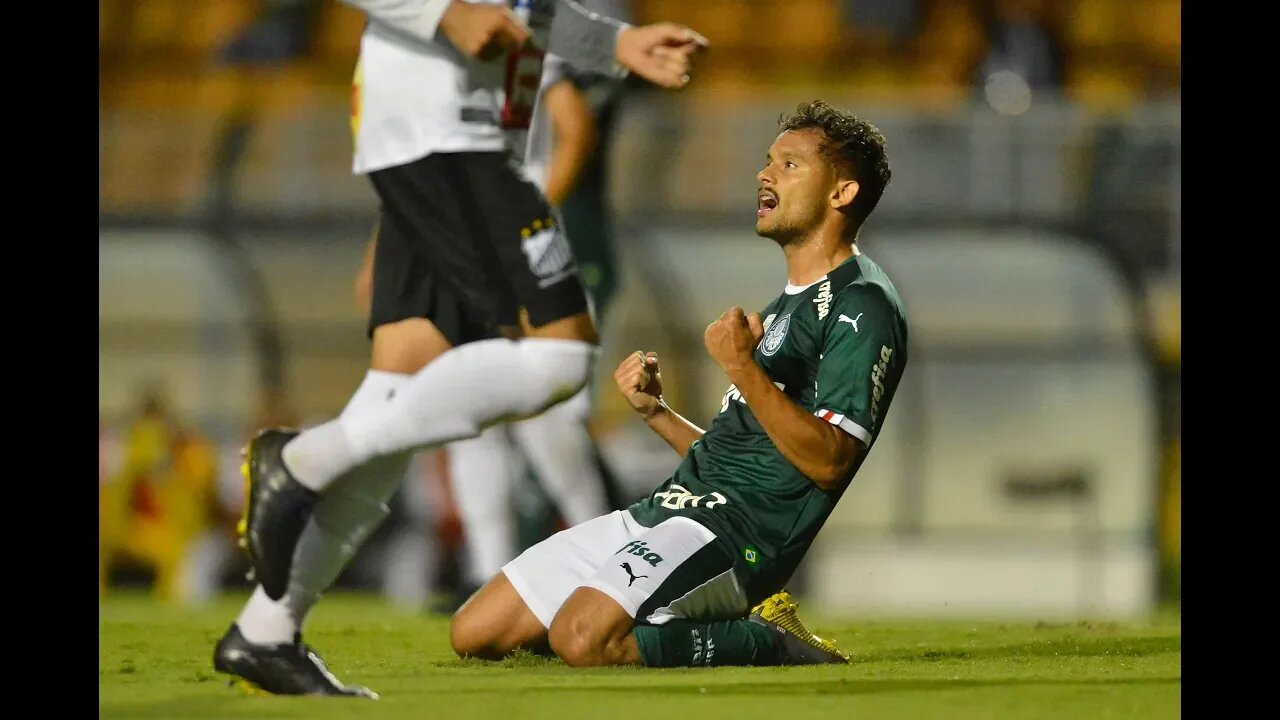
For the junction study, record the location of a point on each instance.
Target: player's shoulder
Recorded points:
(869, 296)
(863, 284)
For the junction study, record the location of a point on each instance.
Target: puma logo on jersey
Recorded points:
(824, 299)
(851, 321)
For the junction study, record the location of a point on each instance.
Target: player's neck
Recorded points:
(813, 258)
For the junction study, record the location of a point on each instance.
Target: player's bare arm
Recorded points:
(573, 130)
(640, 381)
(483, 31)
(820, 450)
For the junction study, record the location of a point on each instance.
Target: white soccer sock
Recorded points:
(563, 455)
(343, 520)
(454, 397)
(264, 621)
(482, 473)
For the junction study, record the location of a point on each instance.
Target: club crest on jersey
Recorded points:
(823, 301)
(774, 336)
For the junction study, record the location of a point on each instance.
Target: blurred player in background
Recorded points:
(477, 316)
(671, 581)
(564, 144)
(585, 209)
(159, 507)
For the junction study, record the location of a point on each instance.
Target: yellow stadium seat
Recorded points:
(1104, 86)
(801, 28)
(154, 23)
(1164, 31)
(338, 39)
(647, 11)
(1095, 23)
(211, 23)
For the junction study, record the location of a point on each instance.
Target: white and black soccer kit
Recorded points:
(466, 239)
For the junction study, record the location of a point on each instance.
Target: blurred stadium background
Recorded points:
(1030, 465)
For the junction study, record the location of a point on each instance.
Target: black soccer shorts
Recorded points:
(465, 240)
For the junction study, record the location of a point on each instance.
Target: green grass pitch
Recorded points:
(155, 662)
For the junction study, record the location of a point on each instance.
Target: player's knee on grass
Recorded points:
(494, 623)
(470, 637)
(591, 629)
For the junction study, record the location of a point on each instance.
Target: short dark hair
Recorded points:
(853, 145)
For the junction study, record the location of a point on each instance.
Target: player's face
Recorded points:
(793, 190)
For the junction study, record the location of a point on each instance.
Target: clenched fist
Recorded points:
(732, 338)
(640, 382)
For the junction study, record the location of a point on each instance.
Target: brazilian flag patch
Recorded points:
(751, 555)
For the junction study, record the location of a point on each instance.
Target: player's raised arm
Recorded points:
(821, 451)
(640, 382)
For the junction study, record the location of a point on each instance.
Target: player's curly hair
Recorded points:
(854, 145)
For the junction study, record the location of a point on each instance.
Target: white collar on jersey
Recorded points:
(797, 289)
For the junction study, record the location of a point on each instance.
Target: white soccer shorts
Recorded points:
(672, 570)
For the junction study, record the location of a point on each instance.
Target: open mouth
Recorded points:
(766, 201)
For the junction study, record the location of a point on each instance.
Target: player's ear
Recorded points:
(844, 193)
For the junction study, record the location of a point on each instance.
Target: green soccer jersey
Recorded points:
(837, 348)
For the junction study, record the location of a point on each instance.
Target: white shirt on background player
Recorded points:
(415, 94)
